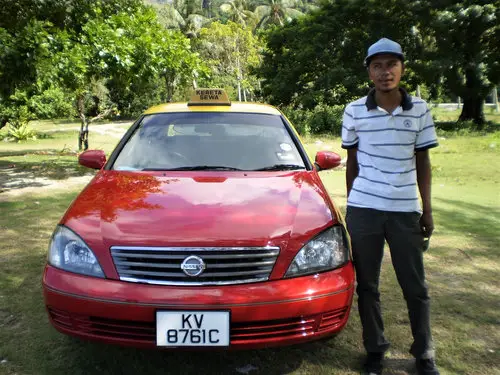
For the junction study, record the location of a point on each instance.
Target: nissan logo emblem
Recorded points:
(193, 266)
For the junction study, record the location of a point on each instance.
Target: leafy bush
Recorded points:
(19, 134)
(17, 115)
(299, 119)
(322, 119)
(17, 127)
(52, 103)
(326, 119)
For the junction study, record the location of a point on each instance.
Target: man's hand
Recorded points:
(427, 224)
(352, 168)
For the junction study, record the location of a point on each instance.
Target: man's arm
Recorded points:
(352, 168)
(424, 185)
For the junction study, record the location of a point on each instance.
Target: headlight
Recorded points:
(68, 252)
(325, 252)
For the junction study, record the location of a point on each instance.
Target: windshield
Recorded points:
(210, 140)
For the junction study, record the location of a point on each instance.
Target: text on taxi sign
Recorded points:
(209, 94)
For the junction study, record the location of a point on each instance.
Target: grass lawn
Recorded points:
(463, 265)
(450, 114)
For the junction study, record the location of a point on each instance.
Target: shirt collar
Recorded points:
(406, 103)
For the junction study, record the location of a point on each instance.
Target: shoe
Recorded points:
(426, 367)
(373, 363)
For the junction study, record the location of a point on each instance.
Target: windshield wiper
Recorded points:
(196, 168)
(280, 167)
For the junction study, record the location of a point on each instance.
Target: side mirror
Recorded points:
(327, 160)
(94, 159)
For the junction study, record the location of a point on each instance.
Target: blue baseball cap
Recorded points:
(384, 45)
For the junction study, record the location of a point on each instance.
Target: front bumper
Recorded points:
(273, 313)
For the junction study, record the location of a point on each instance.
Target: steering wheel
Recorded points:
(178, 157)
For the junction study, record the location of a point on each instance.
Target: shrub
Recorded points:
(52, 103)
(20, 133)
(322, 119)
(17, 127)
(326, 119)
(299, 118)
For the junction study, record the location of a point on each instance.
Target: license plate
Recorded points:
(192, 328)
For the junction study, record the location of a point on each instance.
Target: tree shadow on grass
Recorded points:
(465, 217)
(48, 151)
(38, 169)
(280, 361)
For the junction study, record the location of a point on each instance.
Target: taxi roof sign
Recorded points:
(209, 97)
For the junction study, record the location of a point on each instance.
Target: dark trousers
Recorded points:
(369, 229)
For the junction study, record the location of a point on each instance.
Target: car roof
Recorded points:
(236, 107)
(213, 100)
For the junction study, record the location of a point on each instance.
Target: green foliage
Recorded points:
(52, 103)
(238, 11)
(144, 62)
(17, 112)
(230, 51)
(326, 119)
(458, 42)
(319, 57)
(55, 57)
(17, 127)
(458, 49)
(186, 16)
(19, 133)
(276, 12)
(451, 46)
(298, 118)
(322, 119)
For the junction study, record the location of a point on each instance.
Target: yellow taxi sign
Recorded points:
(209, 97)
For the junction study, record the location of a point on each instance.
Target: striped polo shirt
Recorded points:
(386, 144)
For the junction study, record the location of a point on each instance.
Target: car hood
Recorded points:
(199, 208)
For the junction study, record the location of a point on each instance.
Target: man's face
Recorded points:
(385, 71)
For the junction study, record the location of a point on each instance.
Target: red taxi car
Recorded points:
(208, 226)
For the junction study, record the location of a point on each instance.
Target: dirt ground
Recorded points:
(16, 182)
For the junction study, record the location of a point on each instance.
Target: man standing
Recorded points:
(387, 135)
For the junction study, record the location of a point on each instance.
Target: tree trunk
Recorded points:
(495, 100)
(3, 122)
(473, 101)
(473, 110)
(83, 137)
(86, 137)
(170, 86)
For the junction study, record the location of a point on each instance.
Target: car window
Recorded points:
(245, 141)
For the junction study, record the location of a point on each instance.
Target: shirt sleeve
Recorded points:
(349, 137)
(426, 137)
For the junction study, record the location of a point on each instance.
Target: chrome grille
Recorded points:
(224, 265)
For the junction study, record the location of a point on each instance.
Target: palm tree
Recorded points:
(183, 15)
(238, 11)
(276, 12)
